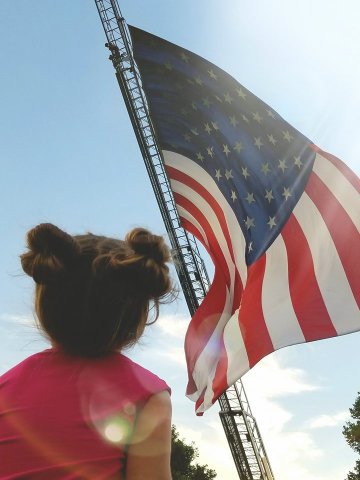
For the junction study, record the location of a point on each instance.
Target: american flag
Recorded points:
(279, 217)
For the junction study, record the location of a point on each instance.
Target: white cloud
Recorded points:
(17, 319)
(174, 325)
(329, 420)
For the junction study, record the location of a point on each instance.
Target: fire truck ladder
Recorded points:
(239, 424)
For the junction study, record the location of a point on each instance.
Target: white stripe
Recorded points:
(207, 361)
(185, 214)
(190, 168)
(238, 361)
(279, 315)
(345, 193)
(332, 280)
(211, 217)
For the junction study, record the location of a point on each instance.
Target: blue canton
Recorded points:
(260, 163)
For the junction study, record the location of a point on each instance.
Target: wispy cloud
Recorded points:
(329, 420)
(174, 325)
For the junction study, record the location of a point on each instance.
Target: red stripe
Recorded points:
(308, 304)
(220, 384)
(204, 193)
(251, 318)
(203, 324)
(218, 255)
(341, 166)
(342, 230)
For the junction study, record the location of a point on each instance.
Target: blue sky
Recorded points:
(69, 156)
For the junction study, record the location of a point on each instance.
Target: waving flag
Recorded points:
(279, 217)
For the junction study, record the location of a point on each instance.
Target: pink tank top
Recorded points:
(70, 418)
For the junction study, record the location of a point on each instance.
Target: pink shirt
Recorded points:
(70, 418)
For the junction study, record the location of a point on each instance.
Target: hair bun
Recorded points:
(149, 245)
(51, 252)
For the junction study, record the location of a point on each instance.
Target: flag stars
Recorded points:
(200, 157)
(199, 81)
(168, 66)
(194, 106)
(233, 120)
(228, 174)
(215, 125)
(287, 136)
(233, 195)
(271, 223)
(249, 223)
(226, 150)
(228, 98)
(265, 168)
(250, 247)
(187, 137)
(241, 93)
(194, 131)
(250, 198)
(206, 102)
(184, 57)
(270, 113)
(257, 117)
(210, 151)
(272, 139)
(269, 195)
(258, 143)
(238, 147)
(244, 172)
(286, 193)
(218, 98)
(244, 117)
(218, 174)
(282, 165)
(212, 74)
(298, 162)
(207, 128)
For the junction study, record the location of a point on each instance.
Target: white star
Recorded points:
(194, 106)
(198, 81)
(233, 195)
(272, 139)
(228, 174)
(206, 102)
(265, 168)
(250, 198)
(187, 137)
(215, 125)
(287, 136)
(184, 57)
(258, 143)
(212, 74)
(199, 156)
(218, 174)
(194, 131)
(298, 162)
(270, 113)
(233, 120)
(207, 128)
(218, 98)
(184, 112)
(241, 93)
(250, 247)
(238, 147)
(282, 165)
(249, 222)
(244, 117)
(226, 150)
(271, 222)
(245, 172)
(168, 66)
(210, 151)
(228, 98)
(269, 195)
(257, 117)
(286, 193)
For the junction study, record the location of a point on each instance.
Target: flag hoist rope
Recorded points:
(239, 424)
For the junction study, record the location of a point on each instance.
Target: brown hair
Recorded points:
(93, 293)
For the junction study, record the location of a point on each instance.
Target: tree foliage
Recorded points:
(183, 456)
(351, 432)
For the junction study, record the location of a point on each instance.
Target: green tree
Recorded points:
(183, 456)
(351, 432)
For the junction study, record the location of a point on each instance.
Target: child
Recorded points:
(81, 409)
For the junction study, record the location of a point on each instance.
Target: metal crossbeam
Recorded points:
(240, 427)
